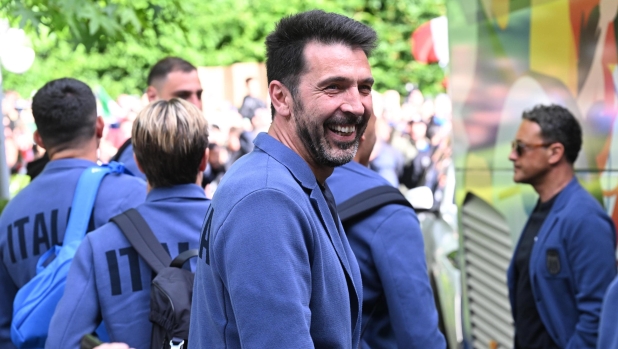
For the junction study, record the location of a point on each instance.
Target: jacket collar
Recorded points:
(186, 191)
(297, 166)
(63, 164)
(563, 196)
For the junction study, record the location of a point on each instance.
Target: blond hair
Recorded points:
(169, 140)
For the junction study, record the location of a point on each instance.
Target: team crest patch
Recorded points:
(553, 262)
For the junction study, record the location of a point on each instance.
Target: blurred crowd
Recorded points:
(412, 148)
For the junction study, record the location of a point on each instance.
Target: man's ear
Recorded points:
(556, 153)
(204, 161)
(36, 136)
(281, 98)
(152, 94)
(100, 125)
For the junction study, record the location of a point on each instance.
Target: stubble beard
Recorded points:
(321, 150)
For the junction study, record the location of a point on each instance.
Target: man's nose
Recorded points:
(353, 102)
(513, 154)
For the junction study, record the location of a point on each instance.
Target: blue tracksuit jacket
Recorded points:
(109, 281)
(275, 268)
(126, 158)
(608, 327)
(36, 218)
(569, 299)
(388, 245)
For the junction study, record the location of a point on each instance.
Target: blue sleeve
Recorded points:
(262, 256)
(608, 328)
(7, 295)
(399, 256)
(78, 311)
(591, 254)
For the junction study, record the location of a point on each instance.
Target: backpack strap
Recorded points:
(370, 200)
(180, 260)
(364, 203)
(83, 200)
(121, 150)
(143, 240)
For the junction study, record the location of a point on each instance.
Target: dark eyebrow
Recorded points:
(186, 92)
(334, 79)
(368, 81)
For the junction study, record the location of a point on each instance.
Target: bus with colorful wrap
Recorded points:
(505, 57)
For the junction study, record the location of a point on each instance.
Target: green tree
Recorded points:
(92, 24)
(118, 51)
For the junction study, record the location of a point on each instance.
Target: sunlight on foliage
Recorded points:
(114, 42)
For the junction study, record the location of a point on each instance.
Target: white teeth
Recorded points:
(343, 129)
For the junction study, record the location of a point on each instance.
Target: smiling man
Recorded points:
(275, 268)
(565, 258)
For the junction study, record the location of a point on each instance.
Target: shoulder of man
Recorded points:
(253, 172)
(123, 186)
(579, 202)
(352, 179)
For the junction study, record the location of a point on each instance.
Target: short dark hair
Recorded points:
(558, 125)
(285, 45)
(169, 140)
(167, 65)
(65, 113)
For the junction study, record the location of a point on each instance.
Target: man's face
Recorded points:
(533, 163)
(333, 102)
(180, 84)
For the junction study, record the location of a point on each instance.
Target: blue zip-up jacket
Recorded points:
(568, 293)
(389, 248)
(35, 220)
(608, 327)
(127, 159)
(109, 281)
(275, 268)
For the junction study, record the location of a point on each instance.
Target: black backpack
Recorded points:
(172, 287)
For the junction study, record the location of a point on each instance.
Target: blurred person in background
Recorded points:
(415, 97)
(171, 77)
(120, 130)
(391, 107)
(252, 100)
(170, 139)
(234, 146)
(565, 258)
(419, 171)
(388, 244)
(218, 160)
(35, 219)
(259, 123)
(384, 159)
(19, 179)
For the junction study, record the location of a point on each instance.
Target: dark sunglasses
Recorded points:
(521, 147)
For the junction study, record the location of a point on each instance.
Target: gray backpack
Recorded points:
(172, 287)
